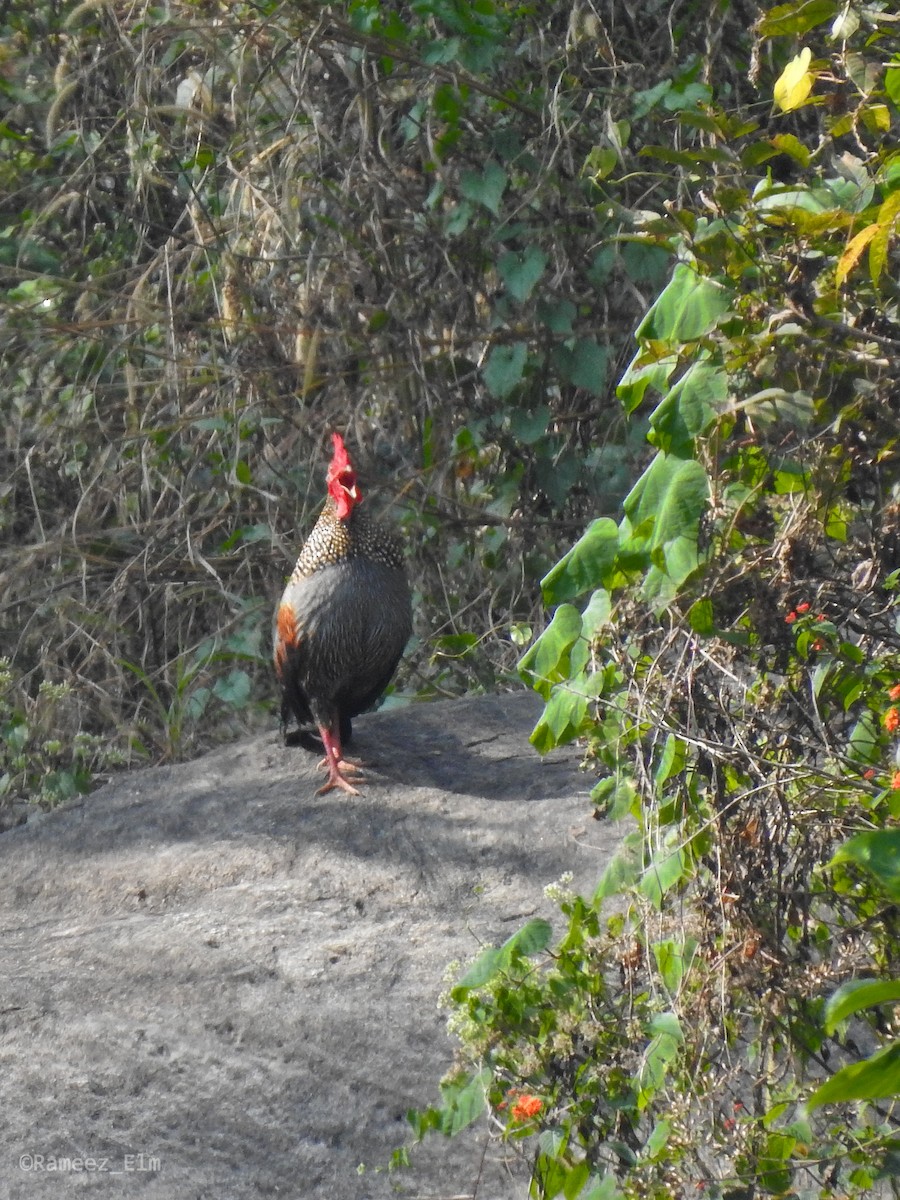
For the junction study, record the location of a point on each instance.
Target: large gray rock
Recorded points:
(216, 983)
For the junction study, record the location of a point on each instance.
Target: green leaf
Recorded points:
(601, 266)
(774, 404)
(797, 18)
(584, 365)
(857, 994)
(486, 187)
(16, 734)
(596, 614)
(234, 689)
(673, 960)
(529, 427)
(688, 308)
(16, 252)
(521, 272)
(456, 645)
(643, 101)
(504, 369)
(774, 1174)
(557, 315)
(656, 1142)
(623, 871)
(671, 495)
(601, 1188)
(641, 375)
(671, 761)
(588, 565)
(256, 533)
(663, 510)
(787, 143)
(548, 658)
(668, 867)
(865, 740)
(576, 1178)
(836, 524)
(457, 220)
(686, 95)
(600, 163)
(689, 409)
(197, 703)
(562, 720)
(614, 796)
(550, 1170)
(463, 1104)
(878, 851)
(529, 940)
(482, 971)
(667, 1025)
(664, 1047)
(700, 617)
(876, 1078)
(646, 263)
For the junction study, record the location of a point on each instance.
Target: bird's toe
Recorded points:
(337, 780)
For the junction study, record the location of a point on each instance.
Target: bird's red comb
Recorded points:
(341, 459)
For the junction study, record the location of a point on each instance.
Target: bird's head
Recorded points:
(342, 487)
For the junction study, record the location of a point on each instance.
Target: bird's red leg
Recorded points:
(335, 764)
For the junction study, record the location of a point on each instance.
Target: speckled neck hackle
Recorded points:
(333, 541)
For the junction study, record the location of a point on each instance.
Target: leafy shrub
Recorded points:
(43, 755)
(728, 649)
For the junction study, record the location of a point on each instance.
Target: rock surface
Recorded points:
(216, 984)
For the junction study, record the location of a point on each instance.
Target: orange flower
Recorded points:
(894, 693)
(818, 644)
(791, 618)
(802, 608)
(527, 1107)
(895, 781)
(892, 720)
(869, 774)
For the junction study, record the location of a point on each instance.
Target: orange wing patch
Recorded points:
(286, 634)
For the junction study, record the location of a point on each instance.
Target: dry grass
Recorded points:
(230, 230)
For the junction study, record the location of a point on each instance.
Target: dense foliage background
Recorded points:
(228, 229)
(618, 276)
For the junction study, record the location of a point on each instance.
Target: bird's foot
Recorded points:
(336, 765)
(337, 779)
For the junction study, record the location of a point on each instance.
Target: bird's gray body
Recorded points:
(354, 619)
(343, 621)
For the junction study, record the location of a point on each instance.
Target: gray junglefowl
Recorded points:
(343, 621)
